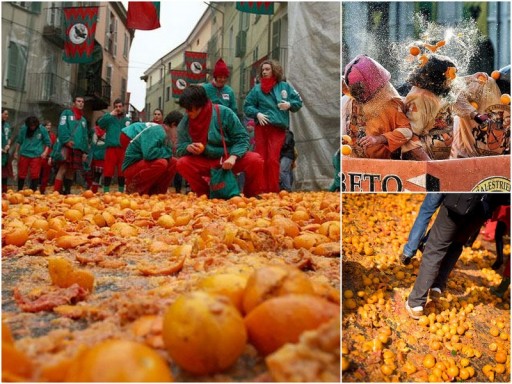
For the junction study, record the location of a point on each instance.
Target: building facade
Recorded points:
(35, 78)
(243, 40)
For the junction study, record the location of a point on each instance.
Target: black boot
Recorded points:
(502, 288)
(120, 183)
(33, 185)
(67, 186)
(21, 182)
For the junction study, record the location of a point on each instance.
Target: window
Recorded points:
(123, 90)
(16, 65)
(31, 6)
(53, 16)
(126, 47)
(244, 21)
(109, 74)
(111, 35)
(161, 74)
(276, 38)
(167, 93)
(160, 102)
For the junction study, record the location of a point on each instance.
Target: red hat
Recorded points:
(221, 69)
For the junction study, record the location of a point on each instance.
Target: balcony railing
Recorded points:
(95, 89)
(48, 88)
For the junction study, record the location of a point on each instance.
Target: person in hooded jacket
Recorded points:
(218, 91)
(373, 114)
(269, 103)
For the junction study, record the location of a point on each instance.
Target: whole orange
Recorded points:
(204, 333)
(274, 280)
(119, 360)
(282, 320)
(231, 285)
(415, 51)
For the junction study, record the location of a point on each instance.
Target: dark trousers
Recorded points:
(448, 235)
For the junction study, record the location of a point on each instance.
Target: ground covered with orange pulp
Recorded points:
(117, 287)
(465, 336)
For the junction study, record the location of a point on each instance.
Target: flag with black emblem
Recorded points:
(80, 27)
(179, 82)
(196, 66)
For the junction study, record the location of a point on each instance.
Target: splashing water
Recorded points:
(462, 43)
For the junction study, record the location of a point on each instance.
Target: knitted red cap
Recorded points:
(221, 69)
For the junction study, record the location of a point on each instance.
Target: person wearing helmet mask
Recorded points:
(374, 115)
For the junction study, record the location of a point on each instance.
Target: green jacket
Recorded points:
(33, 146)
(72, 130)
(134, 129)
(150, 144)
(113, 125)
(6, 135)
(235, 135)
(223, 96)
(257, 101)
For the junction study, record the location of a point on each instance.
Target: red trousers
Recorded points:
(34, 163)
(196, 168)
(125, 141)
(269, 141)
(45, 174)
(150, 177)
(114, 157)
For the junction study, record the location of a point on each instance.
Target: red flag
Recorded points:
(143, 15)
(196, 66)
(80, 24)
(179, 82)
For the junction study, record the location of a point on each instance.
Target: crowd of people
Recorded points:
(147, 156)
(435, 116)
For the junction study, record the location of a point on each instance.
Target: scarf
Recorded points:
(77, 112)
(267, 83)
(198, 128)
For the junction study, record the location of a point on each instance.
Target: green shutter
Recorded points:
(17, 62)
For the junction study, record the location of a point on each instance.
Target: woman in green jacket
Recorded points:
(269, 103)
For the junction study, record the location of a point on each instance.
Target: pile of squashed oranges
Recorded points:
(118, 287)
(465, 336)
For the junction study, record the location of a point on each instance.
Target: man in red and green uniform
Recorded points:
(148, 163)
(113, 122)
(32, 146)
(73, 146)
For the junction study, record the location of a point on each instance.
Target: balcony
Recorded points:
(54, 34)
(48, 88)
(96, 91)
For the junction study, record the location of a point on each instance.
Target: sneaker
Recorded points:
(415, 312)
(435, 293)
(406, 260)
